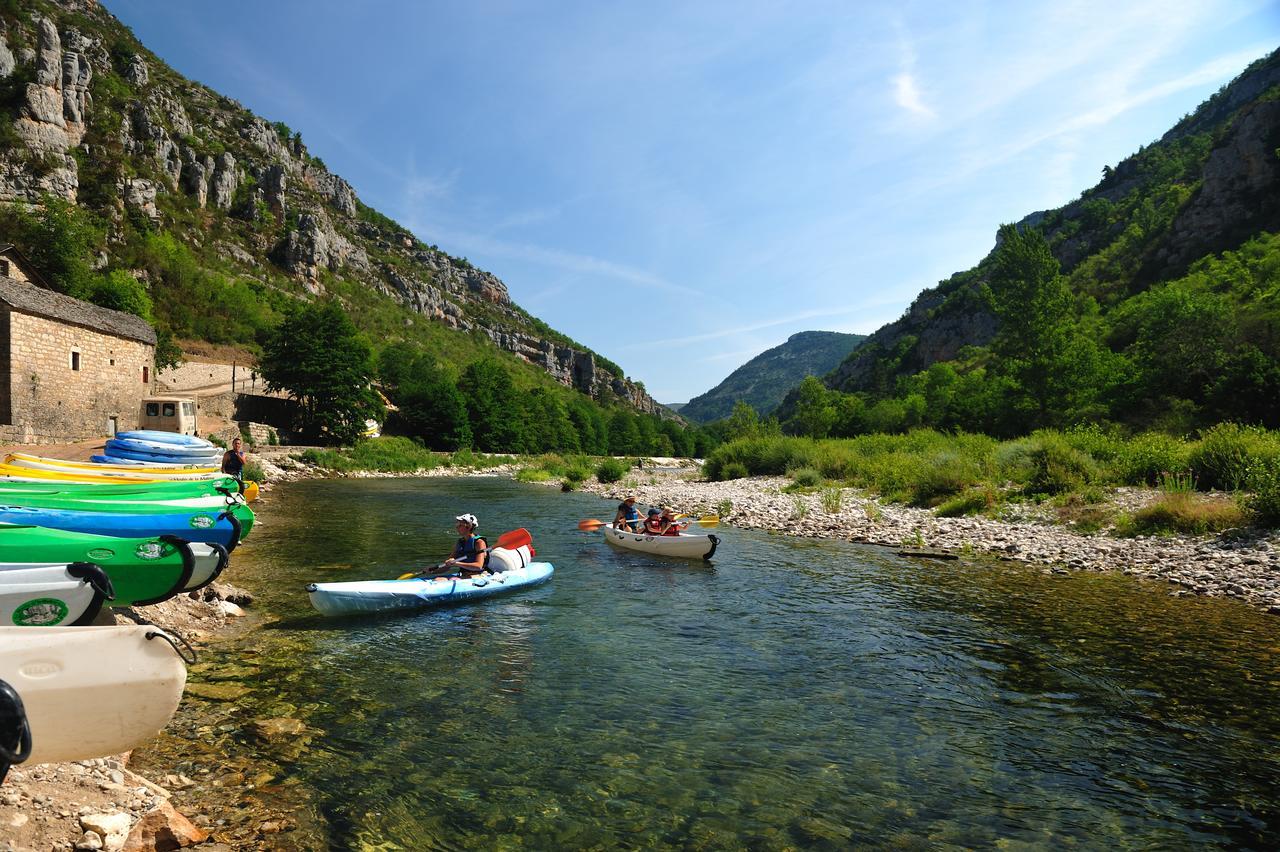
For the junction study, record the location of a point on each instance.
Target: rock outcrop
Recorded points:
(178, 145)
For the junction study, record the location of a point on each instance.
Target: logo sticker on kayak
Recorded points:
(41, 612)
(101, 553)
(202, 522)
(149, 550)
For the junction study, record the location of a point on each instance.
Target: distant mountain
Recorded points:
(675, 406)
(765, 379)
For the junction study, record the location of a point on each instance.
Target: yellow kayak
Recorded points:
(13, 472)
(136, 471)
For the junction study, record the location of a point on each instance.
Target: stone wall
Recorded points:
(50, 401)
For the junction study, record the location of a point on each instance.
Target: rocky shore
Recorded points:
(1244, 564)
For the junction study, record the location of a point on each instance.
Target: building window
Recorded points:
(75, 359)
(169, 410)
(153, 409)
(146, 375)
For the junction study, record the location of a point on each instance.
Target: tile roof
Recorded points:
(46, 303)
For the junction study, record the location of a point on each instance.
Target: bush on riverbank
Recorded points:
(965, 473)
(380, 455)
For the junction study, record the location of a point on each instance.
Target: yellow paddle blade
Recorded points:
(408, 576)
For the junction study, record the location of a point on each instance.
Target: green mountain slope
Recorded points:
(225, 218)
(1172, 264)
(764, 380)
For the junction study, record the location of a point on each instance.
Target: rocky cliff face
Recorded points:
(90, 105)
(1233, 193)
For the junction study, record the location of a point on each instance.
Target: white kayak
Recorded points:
(210, 560)
(44, 595)
(685, 545)
(90, 691)
(390, 595)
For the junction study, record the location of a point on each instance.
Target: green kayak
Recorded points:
(132, 491)
(142, 570)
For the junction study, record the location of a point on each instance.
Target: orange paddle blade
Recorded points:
(591, 524)
(515, 538)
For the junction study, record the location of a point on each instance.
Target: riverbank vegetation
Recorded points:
(966, 473)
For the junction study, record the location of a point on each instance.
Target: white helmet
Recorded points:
(468, 519)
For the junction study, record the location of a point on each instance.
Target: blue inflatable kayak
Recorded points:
(171, 438)
(222, 528)
(391, 595)
(134, 445)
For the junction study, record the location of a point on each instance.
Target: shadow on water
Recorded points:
(795, 693)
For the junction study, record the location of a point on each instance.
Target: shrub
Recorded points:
(1264, 480)
(1187, 513)
(832, 499)
(943, 475)
(806, 477)
(1057, 467)
(253, 471)
(1226, 453)
(390, 455)
(1013, 460)
(724, 508)
(734, 470)
(799, 508)
(1146, 456)
(972, 502)
(217, 442)
(610, 470)
(573, 477)
(273, 439)
(532, 474)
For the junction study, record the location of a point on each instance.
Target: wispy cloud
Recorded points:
(742, 329)
(906, 94)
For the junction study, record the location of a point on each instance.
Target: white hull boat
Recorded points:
(684, 545)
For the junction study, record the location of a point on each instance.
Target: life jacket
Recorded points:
(653, 525)
(468, 548)
(673, 528)
(631, 514)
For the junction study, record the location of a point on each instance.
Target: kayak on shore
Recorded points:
(37, 595)
(372, 596)
(143, 570)
(224, 487)
(133, 468)
(684, 545)
(86, 692)
(226, 527)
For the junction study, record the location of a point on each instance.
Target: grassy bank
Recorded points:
(959, 474)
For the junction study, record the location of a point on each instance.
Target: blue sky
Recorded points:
(683, 185)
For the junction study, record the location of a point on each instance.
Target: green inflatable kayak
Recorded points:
(142, 570)
(132, 491)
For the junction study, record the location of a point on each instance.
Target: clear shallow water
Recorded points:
(796, 693)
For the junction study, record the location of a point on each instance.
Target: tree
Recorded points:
(120, 291)
(624, 434)
(1054, 367)
(317, 357)
(493, 407)
(431, 406)
(814, 414)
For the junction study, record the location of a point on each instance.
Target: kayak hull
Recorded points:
(35, 595)
(91, 691)
(374, 596)
(221, 527)
(141, 570)
(683, 546)
(97, 468)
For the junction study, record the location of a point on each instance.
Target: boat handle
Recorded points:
(12, 712)
(189, 657)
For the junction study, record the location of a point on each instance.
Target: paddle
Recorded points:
(509, 540)
(704, 520)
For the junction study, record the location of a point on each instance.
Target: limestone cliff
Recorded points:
(91, 116)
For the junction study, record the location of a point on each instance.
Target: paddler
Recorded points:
(653, 522)
(470, 553)
(669, 524)
(628, 516)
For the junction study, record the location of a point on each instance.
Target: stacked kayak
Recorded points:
(131, 469)
(167, 448)
(684, 545)
(225, 526)
(36, 595)
(204, 483)
(73, 693)
(141, 570)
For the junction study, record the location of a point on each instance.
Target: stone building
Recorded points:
(69, 370)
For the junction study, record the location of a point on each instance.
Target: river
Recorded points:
(793, 693)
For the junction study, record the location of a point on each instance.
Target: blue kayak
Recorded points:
(135, 445)
(370, 596)
(208, 527)
(207, 459)
(173, 438)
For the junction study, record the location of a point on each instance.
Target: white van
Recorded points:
(169, 414)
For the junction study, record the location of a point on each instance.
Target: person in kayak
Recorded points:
(233, 462)
(628, 516)
(670, 526)
(653, 522)
(470, 553)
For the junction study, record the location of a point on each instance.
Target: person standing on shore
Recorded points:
(233, 462)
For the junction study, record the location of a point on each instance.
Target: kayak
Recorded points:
(126, 490)
(100, 460)
(34, 595)
(370, 596)
(142, 570)
(685, 545)
(203, 459)
(176, 439)
(98, 468)
(129, 447)
(122, 502)
(225, 527)
(89, 692)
